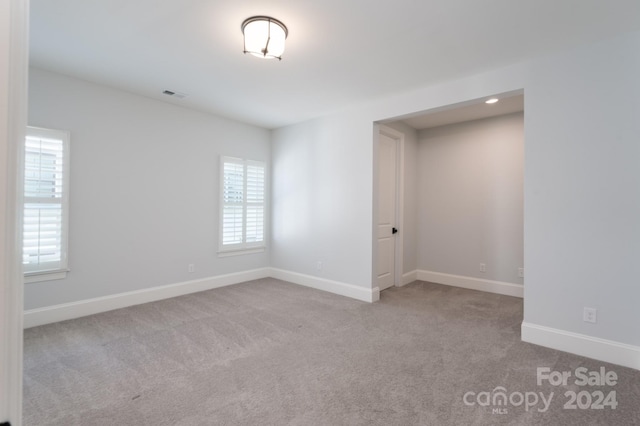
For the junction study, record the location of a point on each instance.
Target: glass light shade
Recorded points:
(264, 37)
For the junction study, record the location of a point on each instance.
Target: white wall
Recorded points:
(144, 188)
(470, 198)
(322, 199)
(582, 191)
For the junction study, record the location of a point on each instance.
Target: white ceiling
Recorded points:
(471, 111)
(338, 52)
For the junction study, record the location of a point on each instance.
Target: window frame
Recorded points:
(243, 247)
(48, 271)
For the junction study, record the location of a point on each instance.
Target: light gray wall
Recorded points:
(582, 190)
(144, 188)
(321, 199)
(470, 198)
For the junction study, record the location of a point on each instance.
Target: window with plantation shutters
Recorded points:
(242, 194)
(46, 201)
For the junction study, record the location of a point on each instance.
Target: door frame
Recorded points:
(399, 137)
(14, 52)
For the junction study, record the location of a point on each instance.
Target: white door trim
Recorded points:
(14, 49)
(399, 252)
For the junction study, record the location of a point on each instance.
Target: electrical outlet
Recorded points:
(590, 315)
(483, 267)
(319, 265)
(191, 268)
(521, 272)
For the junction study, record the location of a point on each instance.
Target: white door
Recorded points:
(387, 187)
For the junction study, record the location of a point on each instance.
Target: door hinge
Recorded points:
(394, 230)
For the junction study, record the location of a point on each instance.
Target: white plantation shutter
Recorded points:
(232, 202)
(242, 204)
(46, 200)
(255, 202)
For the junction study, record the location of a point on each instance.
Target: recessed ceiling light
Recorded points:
(491, 101)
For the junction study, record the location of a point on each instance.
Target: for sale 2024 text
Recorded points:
(581, 376)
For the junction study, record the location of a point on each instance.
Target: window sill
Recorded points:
(35, 277)
(240, 252)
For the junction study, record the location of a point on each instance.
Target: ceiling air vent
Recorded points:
(173, 94)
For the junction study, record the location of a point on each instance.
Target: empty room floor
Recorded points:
(268, 352)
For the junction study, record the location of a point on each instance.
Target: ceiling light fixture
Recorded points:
(264, 37)
(491, 101)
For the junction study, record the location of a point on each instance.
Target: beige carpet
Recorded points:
(272, 353)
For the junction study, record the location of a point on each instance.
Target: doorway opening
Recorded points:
(462, 189)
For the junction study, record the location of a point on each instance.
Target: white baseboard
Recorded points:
(581, 344)
(409, 277)
(66, 311)
(336, 287)
(51, 314)
(498, 287)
